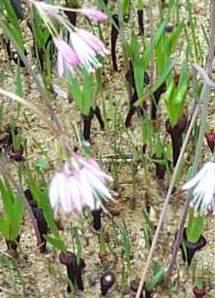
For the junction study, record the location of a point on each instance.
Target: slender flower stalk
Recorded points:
(81, 183)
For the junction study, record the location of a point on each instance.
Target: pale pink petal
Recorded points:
(101, 175)
(98, 186)
(86, 54)
(71, 165)
(94, 14)
(94, 167)
(63, 196)
(66, 56)
(95, 43)
(74, 195)
(55, 190)
(86, 189)
(81, 183)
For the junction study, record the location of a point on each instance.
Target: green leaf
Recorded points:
(40, 31)
(11, 21)
(138, 76)
(195, 226)
(88, 90)
(13, 211)
(133, 47)
(156, 279)
(56, 242)
(19, 82)
(41, 164)
(148, 50)
(18, 213)
(140, 4)
(125, 6)
(7, 199)
(147, 130)
(161, 57)
(75, 90)
(83, 95)
(175, 96)
(42, 199)
(4, 227)
(162, 78)
(147, 220)
(174, 38)
(159, 33)
(169, 98)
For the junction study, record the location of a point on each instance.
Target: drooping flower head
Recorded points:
(84, 47)
(81, 183)
(66, 58)
(93, 42)
(88, 47)
(202, 189)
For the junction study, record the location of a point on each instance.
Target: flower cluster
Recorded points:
(81, 183)
(83, 47)
(202, 189)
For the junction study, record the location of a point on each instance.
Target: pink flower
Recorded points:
(84, 46)
(96, 44)
(81, 183)
(67, 57)
(94, 14)
(86, 54)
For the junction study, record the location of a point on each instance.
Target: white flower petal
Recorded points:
(94, 167)
(74, 194)
(202, 189)
(99, 187)
(191, 183)
(60, 65)
(85, 53)
(86, 190)
(63, 195)
(55, 189)
(81, 183)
